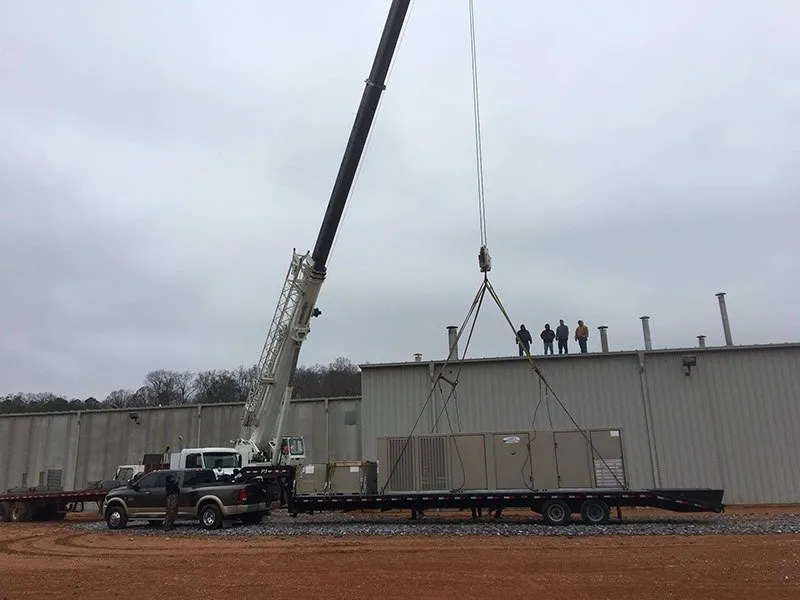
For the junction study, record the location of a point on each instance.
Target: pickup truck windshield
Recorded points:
(222, 460)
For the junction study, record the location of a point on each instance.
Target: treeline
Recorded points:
(174, 388)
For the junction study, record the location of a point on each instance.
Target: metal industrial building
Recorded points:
(731, 420)
(80, 447)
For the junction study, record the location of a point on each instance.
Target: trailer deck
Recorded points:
(556, 506)
(27, 505)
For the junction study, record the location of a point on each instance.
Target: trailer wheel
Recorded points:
(116, 517)
(5, 512)
(556, 512)
(210, 516)
(595, 512)
(20, 512)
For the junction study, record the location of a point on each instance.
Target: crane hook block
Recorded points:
(484, 260)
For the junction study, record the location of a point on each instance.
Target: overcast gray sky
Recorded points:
(160, 160)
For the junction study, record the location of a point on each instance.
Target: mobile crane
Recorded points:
(267, 404)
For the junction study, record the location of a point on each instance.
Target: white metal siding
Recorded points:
(89, 446)
(741, 411)
(391, 403)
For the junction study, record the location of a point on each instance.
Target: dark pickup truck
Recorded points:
(202, 497)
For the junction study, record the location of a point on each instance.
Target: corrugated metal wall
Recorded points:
(88, 446)
(734, 422)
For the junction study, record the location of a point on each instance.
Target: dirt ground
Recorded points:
(53, 561)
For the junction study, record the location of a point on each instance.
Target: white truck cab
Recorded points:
(221, 460)
(292, 452)
(127, 472)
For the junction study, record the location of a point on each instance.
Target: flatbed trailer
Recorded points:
(556, 506)
(50, 505)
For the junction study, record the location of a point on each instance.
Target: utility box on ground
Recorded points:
(515, 460)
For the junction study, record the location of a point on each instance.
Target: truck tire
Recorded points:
(210, 516)
(5, 512)
(116, 517)
(20, 512)
(595, 512)
(556, 512)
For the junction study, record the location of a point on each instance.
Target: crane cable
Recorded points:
(477, 118)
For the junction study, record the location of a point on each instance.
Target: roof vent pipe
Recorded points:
(726, 326)
(648, 345)
(452, 342)
(417, 357)
(603, 337)
(701, 341)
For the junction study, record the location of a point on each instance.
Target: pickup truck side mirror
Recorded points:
(133, 485)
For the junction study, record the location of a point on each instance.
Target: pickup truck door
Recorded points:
(191, 481)
(139, 497)
(152, 496)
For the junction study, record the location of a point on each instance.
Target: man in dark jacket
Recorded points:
(173, 491)
(524, 340)
(548, 335)
(562, 335)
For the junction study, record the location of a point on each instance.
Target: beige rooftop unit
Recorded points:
(514, 460)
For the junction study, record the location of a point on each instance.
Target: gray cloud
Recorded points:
(159, 163)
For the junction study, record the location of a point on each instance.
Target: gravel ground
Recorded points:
(345, 525)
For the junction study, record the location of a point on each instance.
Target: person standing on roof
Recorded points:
(562, 335)
(581, 336)
(548, 335)
(173, 491)
(524, 340)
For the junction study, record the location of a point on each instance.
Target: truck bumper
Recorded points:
(240, 509)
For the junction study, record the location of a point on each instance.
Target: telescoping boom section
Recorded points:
(266, 406)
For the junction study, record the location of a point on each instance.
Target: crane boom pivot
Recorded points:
(268, 399)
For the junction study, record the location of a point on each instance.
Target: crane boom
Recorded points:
(268, 399)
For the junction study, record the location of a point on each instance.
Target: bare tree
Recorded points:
(164, 386)
(183, 386)
(119, 399)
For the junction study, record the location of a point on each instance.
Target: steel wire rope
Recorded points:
(541, 376)
(367, 142)
(454, 384)
(475, 303)
(477, 125)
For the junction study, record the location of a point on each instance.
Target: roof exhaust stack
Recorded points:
(452, 342)
(726, 326)
(603, 338)
(648, 345)
(701, 341)
(417, 357)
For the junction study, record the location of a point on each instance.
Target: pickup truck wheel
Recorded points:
(116, 517)
(210, 516)
(20, 512)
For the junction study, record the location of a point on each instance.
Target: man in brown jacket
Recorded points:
(581, 336)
